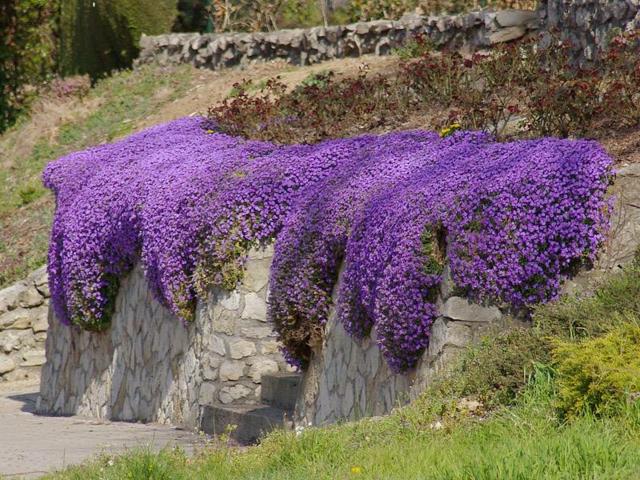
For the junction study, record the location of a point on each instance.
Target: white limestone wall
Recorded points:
(150, 367)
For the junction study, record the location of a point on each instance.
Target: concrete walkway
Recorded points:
(32, 445)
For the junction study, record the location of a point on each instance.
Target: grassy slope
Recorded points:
(524, 442)
(124, 103)
(436, 436)
(25, 206)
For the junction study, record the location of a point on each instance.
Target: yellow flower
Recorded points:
(211, 131)
(446, 131)
(356, 470)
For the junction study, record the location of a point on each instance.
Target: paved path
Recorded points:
(31, 445)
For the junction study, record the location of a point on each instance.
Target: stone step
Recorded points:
(281, 389)
(249, 422)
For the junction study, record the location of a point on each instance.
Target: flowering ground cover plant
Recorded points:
(188, 203)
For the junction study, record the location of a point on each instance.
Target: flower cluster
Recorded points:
(513, 219)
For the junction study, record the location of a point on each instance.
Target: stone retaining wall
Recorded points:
(588, 24)
(148, 366)
(471, 31)
(348, 379)
(23, 326)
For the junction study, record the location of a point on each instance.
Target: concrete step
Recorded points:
(251, 422)
(281, 390)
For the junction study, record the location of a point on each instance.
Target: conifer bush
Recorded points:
(600, 375)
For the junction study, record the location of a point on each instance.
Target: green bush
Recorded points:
(98, 37)
(497, 369)
(598, 375)
(26, 52)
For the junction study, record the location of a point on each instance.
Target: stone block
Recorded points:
(240, 348)
(281, 389)
(18, 319)
(230, 300)
(257, 332)
(231, 394)
(40, 324)
(207, 394)
(507, 35)
(216, 344)
(255, 307)
(458, 308)
(30, 297)
(10, 340)
(269, 348)
(256, 274)
(231, 370)
(6, 364)
(513, 18)
(262, 367)
(9, 297)
(250, 422)
(33, 358)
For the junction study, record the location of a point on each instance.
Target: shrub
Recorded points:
(320, 107)
(499, 368)
(75, 86)
(98, 37)
(26, 52)
(599, 375)
(538, 89)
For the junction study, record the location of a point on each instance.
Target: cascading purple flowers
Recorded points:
(515, 217)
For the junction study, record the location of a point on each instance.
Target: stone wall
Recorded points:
(348, 378)
(471, 31)
(23, 326)
(588, 24)
(148, 366)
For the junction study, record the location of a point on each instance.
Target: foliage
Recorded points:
(599, 375)
(69, 87)
(368, 200)
(98, 37)
(319, 108)
(517, 90)
(523, 442)
(26, 52)
(499, 368)
(111, 109)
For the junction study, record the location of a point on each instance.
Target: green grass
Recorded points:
(110, 111)
(523, 442)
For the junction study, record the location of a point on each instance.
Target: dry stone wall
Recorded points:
(150, 367)
(23, 327)
(471, 31)
(348, 378)
(588, 24)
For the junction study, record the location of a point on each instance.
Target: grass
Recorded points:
(524, 442)
(110, 111)
(516, 436)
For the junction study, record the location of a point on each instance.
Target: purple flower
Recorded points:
(188, 205)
